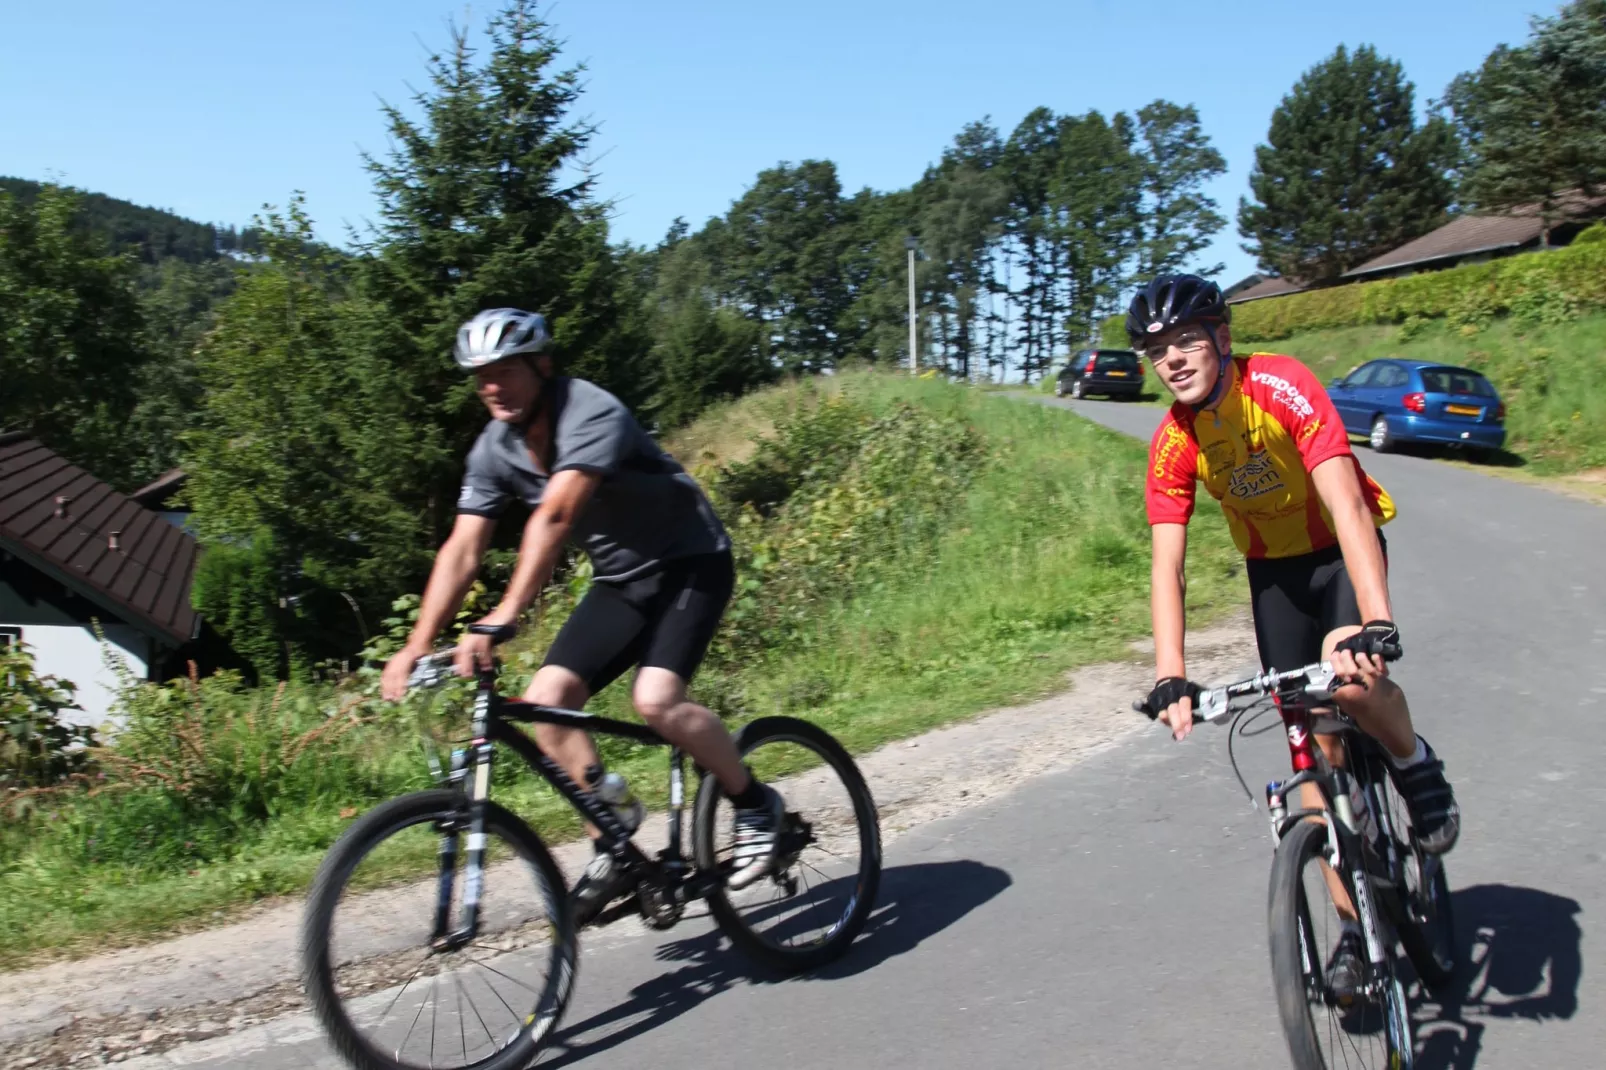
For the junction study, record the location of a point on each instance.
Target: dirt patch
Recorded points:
(151, 999)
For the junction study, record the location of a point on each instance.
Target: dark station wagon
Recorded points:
(1111, 372)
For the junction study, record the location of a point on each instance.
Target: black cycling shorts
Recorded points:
(665, 619)
(1298, 600)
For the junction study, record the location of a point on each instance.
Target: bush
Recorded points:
(838, 495)
(1544, 287)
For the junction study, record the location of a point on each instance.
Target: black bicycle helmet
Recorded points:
(1171, 300)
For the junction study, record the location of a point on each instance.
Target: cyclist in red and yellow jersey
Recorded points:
(1263, 437)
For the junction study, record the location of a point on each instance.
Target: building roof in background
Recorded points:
(1466, 235)
(1272, 287)
(101, 544)
(1470, 235)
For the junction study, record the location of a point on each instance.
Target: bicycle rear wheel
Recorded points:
(810, 908)
(389, 1000)
(1373, 1029)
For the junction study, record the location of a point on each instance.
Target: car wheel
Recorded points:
(1382, 435)
(1059, 390)
(1077, 391)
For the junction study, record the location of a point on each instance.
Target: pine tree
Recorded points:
(1346, 173)
(1532, 119)
(70, 331)
(484, 202)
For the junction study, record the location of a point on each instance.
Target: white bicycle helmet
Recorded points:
(499, 333)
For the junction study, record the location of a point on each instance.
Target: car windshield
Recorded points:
(1116, 360)
(1456, 381)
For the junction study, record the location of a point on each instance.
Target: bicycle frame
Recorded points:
(1345, 850)
(493, 722)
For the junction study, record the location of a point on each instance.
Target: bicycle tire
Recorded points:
(352, 847)
(729, 919)
(1289, 927)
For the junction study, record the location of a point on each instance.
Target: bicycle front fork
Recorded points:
(1343, 831)
(473, 766)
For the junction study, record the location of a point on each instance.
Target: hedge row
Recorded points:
(1542, 287)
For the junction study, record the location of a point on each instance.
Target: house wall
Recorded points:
(56, 625)
(74, 653)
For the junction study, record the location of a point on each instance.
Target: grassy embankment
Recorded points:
(910, 552)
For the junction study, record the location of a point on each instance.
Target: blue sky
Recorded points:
(212, 109)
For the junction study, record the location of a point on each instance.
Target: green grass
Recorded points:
(1552, 378)
(1038, 565)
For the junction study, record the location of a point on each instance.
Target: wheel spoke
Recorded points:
(403, 988)
(499, 973)
(489, 1036)
(494, 992)
(409, 1034)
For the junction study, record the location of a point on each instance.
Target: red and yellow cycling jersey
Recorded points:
(1254, 453)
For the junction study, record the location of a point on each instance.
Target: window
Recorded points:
(1117, 360)
(1366, 375)
(1391, 375)
(1456, 381)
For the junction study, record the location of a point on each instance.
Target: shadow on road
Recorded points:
(915, 902)
(1520, 959)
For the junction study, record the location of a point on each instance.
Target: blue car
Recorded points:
(1395, 401)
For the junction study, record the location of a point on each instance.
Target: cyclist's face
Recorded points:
(509, 389)
(1186, 360)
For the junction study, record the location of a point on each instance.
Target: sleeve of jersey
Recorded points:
(1173, 474)
(595, 438)
(1310, 417)
(482, 493)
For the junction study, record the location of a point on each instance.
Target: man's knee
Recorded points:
(556, 686)
(657, 691)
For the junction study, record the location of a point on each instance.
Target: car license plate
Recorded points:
(1464, 410)
(1116, 375)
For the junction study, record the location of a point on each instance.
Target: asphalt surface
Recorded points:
(1114, 915)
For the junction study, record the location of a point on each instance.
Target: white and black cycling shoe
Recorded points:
(600, 884)
(756, 839)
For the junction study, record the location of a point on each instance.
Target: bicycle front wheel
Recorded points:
(1372, 1027)
(815, 901)
(389, 994)
(1426, 919)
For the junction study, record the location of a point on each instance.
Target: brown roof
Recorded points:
(1470, 235)
(1267, 288)
(103, 545)
(1465, 235)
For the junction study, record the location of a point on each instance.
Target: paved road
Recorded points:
(1114, 915)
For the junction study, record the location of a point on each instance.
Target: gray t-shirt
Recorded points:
(646, 510)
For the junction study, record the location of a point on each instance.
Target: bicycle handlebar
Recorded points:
(1215, 704)
(435, 669)
(432, 670)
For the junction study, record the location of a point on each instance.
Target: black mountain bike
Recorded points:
(1345, 848)
(484, 975)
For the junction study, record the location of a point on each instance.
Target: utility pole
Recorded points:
(911, 243)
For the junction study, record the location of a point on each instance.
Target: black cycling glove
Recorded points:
(1168, 691)
(1379, 638)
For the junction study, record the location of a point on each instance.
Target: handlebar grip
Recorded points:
(1391, 651)
(1142, 706)
(499, 633)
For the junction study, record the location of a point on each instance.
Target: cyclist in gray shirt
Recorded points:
(661, 561)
